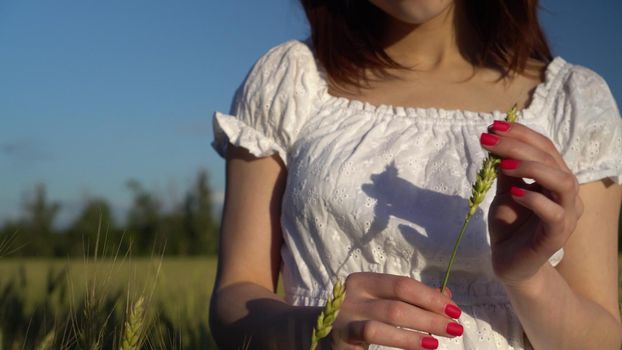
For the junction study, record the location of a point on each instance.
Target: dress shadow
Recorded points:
(423, 213)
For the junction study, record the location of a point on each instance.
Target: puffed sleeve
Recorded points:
(271, 105)
(589, 128)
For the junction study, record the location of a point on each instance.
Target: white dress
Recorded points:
(385, 188)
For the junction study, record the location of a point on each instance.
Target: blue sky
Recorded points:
(93, 93)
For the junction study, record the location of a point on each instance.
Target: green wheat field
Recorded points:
(84, 303)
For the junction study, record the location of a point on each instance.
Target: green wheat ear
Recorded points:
(134, 327)
(327, 317)
(485, 178)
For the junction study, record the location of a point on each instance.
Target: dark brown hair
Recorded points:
(347, 36)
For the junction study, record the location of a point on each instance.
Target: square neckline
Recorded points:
(536, 101)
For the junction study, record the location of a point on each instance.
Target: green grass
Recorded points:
(179, 282)
(177, 293)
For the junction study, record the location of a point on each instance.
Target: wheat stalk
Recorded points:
(133, 327)
(485, 178)
(325, 320)
(47, 341)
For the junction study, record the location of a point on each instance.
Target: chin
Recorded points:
(412, 11)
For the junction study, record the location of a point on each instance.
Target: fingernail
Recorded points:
(500, 125)
(509, 164)
(517, 191)
(452, 311)
(488, 139)
(454, 329)
(429, 343)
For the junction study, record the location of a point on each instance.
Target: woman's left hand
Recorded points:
(528, 222)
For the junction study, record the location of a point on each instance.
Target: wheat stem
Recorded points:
(484, 180)
(325, 320)
(47, 341)
(453, 253)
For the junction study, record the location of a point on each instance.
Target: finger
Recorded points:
(505, 182)
(507, 147)
(375, 332)
(551, 214)
(564, 185)
(529, 136)
(384, 286)
(447, 292)
(401, 314)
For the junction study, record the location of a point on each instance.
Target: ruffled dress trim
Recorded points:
(229, 129)
(610, 169)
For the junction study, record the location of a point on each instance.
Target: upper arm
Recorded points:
(590, 263)
(269, 110)
(250, 235)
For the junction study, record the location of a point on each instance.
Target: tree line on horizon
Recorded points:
(188, 228)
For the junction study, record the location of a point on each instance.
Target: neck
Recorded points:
(424, 46)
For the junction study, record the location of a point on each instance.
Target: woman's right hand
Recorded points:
(394, 311)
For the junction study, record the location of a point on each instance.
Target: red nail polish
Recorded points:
(499, 125)
(509, 164)
(488, 139)
(455, 329)
(429, 343)
(452, 311)
(517, 191)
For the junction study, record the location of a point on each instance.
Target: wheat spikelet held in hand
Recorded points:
(484, 180)
(133, 327)
(328, 315)
(487, 174)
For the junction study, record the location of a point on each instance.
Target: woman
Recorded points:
(351, 156)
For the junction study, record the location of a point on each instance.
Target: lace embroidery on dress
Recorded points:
(384, 188)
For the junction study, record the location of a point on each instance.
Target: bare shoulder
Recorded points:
(518, 86)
